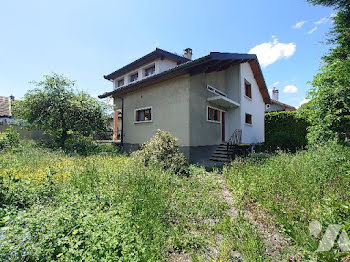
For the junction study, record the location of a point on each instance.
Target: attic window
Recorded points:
(248, 119)
(248, 89)
(150, 70)
(134, 77)
(120, 82)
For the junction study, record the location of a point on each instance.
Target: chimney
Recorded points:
(12, 98)
(275, 94)
(188, 53)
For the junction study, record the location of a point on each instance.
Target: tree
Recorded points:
(57, 109)
(329, 109)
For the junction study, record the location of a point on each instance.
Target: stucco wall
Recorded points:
(203, 132)
(256, 107)
(170, 111)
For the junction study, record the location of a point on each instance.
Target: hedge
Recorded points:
(285, 130)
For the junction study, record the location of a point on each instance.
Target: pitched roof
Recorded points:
(273, 101)
(215, 61)
(5, 106)
(158, 53)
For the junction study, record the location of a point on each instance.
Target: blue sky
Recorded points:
(87, 39)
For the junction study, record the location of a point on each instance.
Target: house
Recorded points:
(5, 110)
(276, 105)
(115, 124)
(202, 102)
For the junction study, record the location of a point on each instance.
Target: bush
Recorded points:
(9, 139)
(162, 150)
(284, 130)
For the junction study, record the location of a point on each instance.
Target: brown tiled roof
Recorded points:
(291, 108)
(5, 106)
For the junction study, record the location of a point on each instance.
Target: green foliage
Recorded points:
(284, 130)
(103, 208)
(9, 139)
(57, 109)
(163, 150)
(295, 189)
(329, 109)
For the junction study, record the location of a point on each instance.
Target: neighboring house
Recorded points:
(201, 102)
(276, 106)
(116, 124)
(5, 110)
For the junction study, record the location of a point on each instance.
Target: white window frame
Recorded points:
(143, 108)
(251, 90)
(116, 82)
(247, 124)
(147, 67)
(214, 121)
(215, 91)
(134, 73)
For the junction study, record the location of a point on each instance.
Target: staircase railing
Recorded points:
(234, 140)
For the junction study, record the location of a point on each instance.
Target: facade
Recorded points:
(5, 110)
(201, 102)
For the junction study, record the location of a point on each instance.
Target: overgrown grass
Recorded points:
(294, 190)
(102, 208)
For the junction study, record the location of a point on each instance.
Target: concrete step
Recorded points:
(219, 159)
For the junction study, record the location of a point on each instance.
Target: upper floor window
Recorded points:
(120, 82)
(150, 70)
(213, 114)
(248, 89)
(134, 77)
(143, 114)
(248, 119)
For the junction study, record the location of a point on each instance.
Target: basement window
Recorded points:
(248, 119)
(150, 70)
(143, 115)
(213, 114)
(134, 77)
(248, 89)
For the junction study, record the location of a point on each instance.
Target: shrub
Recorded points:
(9, 139)
(284, 130)
(162, 150)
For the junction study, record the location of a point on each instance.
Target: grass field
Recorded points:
(109, 208)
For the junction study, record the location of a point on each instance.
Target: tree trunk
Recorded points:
(63, 138)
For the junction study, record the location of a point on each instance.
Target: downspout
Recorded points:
(122, 129)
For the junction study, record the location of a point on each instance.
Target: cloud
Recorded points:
(322, 20)
(290, 89)
(269, 52)
(299, 25)
(312, 30)
(306, 100)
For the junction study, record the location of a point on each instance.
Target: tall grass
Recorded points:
(296, 189)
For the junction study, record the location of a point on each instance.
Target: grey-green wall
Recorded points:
(170, 111)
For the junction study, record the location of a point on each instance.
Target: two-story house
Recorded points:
(201, 102)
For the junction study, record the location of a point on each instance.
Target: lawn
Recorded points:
(107, 207)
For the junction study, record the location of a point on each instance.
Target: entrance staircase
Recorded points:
(222, 154)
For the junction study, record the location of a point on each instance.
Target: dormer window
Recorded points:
(150, 70)
(120, 82)
(134, 77)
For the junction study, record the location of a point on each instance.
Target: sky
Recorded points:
(86, 39)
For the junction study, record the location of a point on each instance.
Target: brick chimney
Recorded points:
(275, 94)
(188, 53)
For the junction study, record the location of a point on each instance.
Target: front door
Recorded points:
(223, 126)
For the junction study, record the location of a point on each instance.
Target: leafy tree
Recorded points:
(57, 109)
(329, 108)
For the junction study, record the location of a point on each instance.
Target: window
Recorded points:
(134, 77)
(143, 114)
(150, 70)
(213, 114)
(120, 82)
(248, 89)
(248, 119)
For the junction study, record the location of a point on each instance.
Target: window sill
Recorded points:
(247, 97)
(247, 124)
(213, 121)
(140, 122)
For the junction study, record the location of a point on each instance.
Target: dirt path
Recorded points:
(273, 241)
